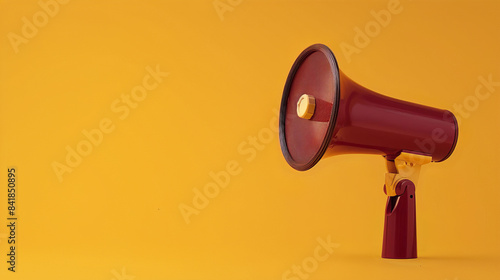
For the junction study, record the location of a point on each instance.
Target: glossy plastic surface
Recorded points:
(352, 119)
(400, 227)
(304, 141)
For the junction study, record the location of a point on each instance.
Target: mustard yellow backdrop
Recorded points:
(143, 136)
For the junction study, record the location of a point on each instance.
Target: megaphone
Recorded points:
(324, 113)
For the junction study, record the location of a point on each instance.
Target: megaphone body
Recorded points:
(324, 113)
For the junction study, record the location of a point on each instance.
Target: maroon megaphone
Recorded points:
(324, 113)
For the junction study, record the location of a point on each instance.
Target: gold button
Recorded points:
(306, 106)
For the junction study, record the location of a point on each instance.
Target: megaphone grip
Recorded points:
(400, 228)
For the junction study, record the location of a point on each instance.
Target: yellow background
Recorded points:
(118, 212)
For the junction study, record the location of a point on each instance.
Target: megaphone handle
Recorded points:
(400, 228)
